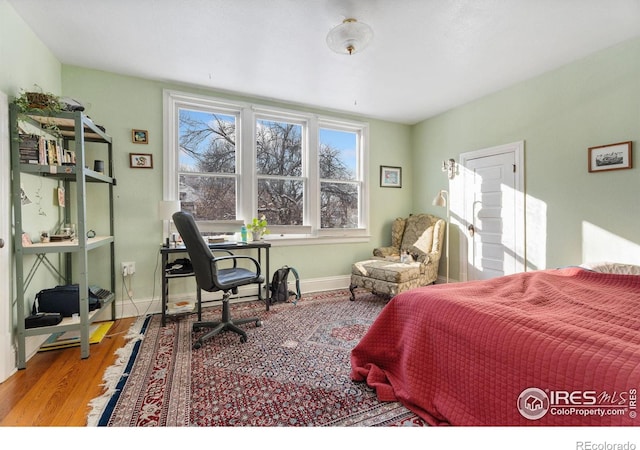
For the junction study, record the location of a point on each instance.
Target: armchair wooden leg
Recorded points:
(352, 289)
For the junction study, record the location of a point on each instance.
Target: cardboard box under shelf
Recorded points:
(181, 307)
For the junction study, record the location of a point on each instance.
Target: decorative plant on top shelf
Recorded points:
(46, 102)
(258, 227)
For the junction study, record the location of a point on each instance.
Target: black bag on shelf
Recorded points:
(179, 266)
(64, 299)
(37, 320)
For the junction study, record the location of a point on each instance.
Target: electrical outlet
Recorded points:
(128, 268)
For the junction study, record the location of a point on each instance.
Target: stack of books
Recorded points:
(29, 149)
(35, 149)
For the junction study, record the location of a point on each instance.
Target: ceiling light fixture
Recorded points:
(349, 37)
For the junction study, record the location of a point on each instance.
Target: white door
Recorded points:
(494, 213)
(7, 354)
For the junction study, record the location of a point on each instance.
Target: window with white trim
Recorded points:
(230, 161)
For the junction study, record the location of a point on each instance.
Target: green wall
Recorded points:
(25, 62)
(572, 215)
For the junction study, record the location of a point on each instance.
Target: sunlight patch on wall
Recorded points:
(600, 245)
(536, 233)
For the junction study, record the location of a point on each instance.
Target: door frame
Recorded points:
(7, 348)
(518, 150)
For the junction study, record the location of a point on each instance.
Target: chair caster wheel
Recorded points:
(243, 339)
(258, 323)
(197, 345)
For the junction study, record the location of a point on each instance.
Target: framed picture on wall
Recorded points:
(610, 157)
(140, 136)
(141, 160)
(390, 176)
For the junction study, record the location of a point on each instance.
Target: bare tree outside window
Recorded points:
(338, 179)
(231, 161)
(207, 164)
(279, 167)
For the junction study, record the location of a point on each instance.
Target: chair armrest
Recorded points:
(433, 257)
(228, 252)
(386, 251)
(235, 258)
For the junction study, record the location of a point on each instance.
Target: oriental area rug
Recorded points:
(292, 371)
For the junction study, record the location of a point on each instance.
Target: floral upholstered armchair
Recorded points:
(410, 261)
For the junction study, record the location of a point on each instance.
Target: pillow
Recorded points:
(611, 267)
(418, 235)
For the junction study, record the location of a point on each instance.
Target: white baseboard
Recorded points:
(136, 307)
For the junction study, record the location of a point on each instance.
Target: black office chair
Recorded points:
(213, 275)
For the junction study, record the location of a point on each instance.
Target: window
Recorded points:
(281, 184)
(207, 175)
(340, 184)
(229, 162)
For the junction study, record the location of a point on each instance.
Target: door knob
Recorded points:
(1, 243)
(472, 230)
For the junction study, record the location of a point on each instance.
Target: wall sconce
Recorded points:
(450, 167)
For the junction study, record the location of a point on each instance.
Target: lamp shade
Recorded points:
(440, 200)
(349, 37)
(166, 208)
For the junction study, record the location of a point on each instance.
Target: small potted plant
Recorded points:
(258, 227)
(44, 102)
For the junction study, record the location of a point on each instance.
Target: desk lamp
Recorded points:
(166, 208)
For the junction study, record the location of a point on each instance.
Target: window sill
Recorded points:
(295, 240)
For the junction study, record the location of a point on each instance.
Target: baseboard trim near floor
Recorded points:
(143, 306)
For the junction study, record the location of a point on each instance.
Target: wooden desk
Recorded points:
(259, 246)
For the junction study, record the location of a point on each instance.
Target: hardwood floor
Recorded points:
(57, 386)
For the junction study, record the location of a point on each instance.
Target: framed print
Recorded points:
(390, 176)
(610, 157)
(140, 136)
(141, 160)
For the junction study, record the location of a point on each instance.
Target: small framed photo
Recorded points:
(141, 160)
(140, 136)
(610, 157)
(390, 176)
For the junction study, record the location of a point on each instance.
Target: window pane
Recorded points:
(208, 198)
(338, 154)
(207, 142)
(279, 148)
(338, 205)
(281, 201)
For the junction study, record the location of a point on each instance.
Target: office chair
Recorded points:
(212, 274)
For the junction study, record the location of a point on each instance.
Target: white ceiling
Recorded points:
(426, 57)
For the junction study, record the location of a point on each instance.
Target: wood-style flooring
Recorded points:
(56, 387)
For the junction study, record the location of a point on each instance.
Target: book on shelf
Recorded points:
(35, 149)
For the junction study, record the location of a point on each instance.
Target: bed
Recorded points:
(554, 347)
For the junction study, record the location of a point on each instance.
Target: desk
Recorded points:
(260, 247)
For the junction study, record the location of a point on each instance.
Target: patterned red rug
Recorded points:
(293, 371)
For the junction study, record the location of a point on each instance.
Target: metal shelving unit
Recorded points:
(75, 128)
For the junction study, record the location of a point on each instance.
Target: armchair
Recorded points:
(211, 276)
(389, 272)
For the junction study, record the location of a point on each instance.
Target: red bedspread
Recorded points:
(552, 347)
